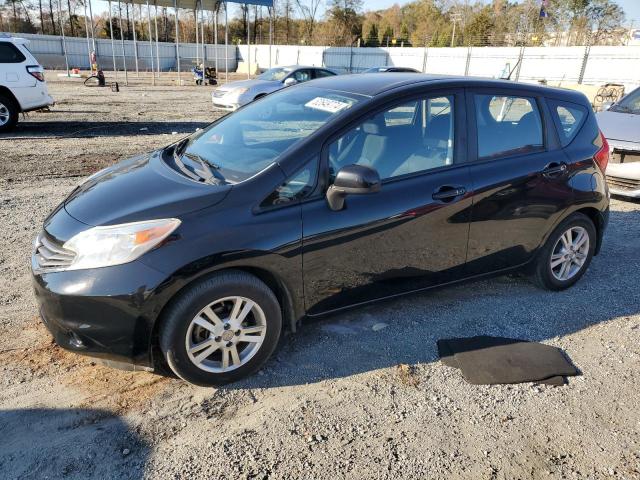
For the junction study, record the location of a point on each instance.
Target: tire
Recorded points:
(92, 81)
(9, 112)
(197, 321)
(555, 278)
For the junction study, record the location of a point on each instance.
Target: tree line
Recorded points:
(340, 22)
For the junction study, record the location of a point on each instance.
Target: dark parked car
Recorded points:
(319, 197)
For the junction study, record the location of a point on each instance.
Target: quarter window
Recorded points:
(411, 137)
(570, 117)
(295, 188)
(10, 54)
(507, 125)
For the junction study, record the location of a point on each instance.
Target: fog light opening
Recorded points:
(75, 341)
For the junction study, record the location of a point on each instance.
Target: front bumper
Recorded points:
(624, 179)
(106, 313)
(228, 103)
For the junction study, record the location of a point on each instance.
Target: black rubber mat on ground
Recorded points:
(487, 360)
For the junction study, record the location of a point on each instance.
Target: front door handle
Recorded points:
(555, 169)
(448, 192)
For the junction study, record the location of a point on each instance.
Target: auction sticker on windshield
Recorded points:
(327, 104)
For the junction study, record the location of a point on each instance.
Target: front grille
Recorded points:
(622, 156)
(623, 183)
(50, 254)
(219, 93)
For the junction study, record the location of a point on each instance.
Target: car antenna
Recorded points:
(514, 68)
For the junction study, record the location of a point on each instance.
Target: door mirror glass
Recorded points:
(352, 180)
(290, 81)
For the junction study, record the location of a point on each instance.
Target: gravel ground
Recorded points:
(340, 399)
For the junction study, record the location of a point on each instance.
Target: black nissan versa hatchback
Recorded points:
(319, 197)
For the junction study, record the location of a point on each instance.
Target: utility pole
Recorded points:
(455, 18)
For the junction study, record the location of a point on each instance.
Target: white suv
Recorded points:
(22, 85)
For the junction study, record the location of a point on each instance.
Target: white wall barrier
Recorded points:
(48, 50)
(620, 64)
(602, 64)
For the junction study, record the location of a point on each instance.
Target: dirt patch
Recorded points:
(101, 387)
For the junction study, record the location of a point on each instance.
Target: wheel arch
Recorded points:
(599, 222)
(8, 93)
(290, 314)
(597, 216)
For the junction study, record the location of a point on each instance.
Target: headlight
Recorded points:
(236, 92)
(117, 244)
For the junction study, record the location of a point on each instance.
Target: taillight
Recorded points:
(36, 71)
(602, 155)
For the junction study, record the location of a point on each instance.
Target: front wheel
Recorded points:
(221, 329)
(567, 253)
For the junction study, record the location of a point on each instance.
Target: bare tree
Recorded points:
(71, 15)
(41, 17)
(53, 20)
(309, 10)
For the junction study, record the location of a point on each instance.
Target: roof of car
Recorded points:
(296, 67)
(9, 38)
(372, 84)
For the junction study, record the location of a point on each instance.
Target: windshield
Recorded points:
(247, 141)
(629, 104)
(275, 74)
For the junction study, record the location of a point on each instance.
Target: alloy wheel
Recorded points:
(4, 114)
(570, 253)
(226, 334)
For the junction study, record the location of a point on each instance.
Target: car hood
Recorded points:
(140, 188)
(252, 84)
(619, 126)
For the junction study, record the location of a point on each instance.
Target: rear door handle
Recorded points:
(447, 192)
(555, 169)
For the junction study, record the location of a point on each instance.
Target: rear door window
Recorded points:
(10, 54)
(302, 75)
(323, 73)
(507, 125)
(569, 117)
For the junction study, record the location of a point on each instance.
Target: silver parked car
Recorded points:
(621, 126)
(233, 95)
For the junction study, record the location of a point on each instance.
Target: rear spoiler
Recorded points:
(15, 40)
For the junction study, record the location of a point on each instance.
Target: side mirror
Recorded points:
(290, 81)
(605, 106)
(352, 180)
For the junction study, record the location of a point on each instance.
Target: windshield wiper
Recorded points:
(207, 167)
(180, 163)
(206, 174)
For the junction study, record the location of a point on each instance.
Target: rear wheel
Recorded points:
(8, 113)
(221, 329)
(567, 253)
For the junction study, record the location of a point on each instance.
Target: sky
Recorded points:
(631, 7)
